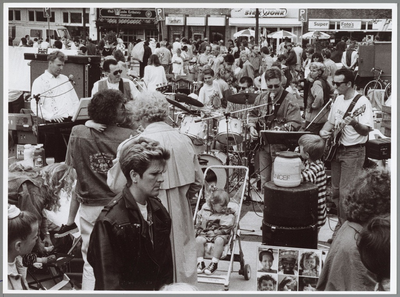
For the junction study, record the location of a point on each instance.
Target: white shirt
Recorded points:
(349, 135)
(175, 46)
(154, 76)
(207, 91)
(62, 101)
(177, 68)
(134, 91)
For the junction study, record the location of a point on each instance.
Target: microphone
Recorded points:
(272, 95)
(71, 79)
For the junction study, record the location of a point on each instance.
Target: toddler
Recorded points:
(309, 264)
(266, 259)
(214, 224)
(23, 230)
(266, 283)
(311, 150)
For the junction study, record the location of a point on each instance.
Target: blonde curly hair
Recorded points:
(149, 106)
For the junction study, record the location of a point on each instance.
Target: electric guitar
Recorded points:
(333, 142)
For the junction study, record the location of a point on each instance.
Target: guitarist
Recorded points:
(348, 161)
(282, 111)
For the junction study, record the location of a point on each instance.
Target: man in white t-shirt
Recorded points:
(350, 155)
(176, 45)
(114, 81)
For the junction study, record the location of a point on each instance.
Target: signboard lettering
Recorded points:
(350, 25)
(303, 15)
(320, 24)
(264, 12)
(129, 13)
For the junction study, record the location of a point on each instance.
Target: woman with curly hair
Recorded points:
(37, 191)
(318, 96)
(183, 178)
(343, 270)
(91, 153)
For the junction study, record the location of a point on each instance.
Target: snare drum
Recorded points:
(207, 160)
(234, 133)
(196, 131)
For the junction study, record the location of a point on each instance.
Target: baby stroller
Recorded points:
(219, 277)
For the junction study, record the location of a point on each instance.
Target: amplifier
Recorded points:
(379, 149)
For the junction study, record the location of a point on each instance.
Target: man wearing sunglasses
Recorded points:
(114, 81)
(350, 155)
(282, 113)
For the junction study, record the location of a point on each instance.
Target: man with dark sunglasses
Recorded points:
(281, 113)
(349, 158)
(113, 80)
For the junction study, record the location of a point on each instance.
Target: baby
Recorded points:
(214, 224)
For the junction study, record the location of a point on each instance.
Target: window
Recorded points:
(332, 25)
(152, 34)
(65, 17)
(76, 18)
(17, 15)
(31, 16)
(86, 18)
(40, 16)
(11, 15)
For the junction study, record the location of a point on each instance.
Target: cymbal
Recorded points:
(241, 98)
(177, 104)
(188, 100)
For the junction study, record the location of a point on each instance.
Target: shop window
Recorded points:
(35, 33)
(65, 17)
(76, 18)
(152, 34)
(40, 16)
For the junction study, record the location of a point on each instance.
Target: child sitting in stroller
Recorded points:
(214, 224)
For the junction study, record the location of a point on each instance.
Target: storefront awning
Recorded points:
(265, 22)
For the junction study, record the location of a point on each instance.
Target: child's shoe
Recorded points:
(211, 268)
(200, 267)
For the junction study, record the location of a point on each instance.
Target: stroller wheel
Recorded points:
(247, 272)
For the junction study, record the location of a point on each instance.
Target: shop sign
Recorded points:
(381, 24)
(318, 24)
(128, 13)
(350, 25)
(174, 21)
(195, 21)
(264, 12)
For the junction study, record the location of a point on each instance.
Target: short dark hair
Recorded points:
(265, 50)
(229, 58)
(273, 73)
(56, 55)
(208, 71)
(265, 277)
(58, 44)
(103, 107)
(247, 80)
(374, 246)
(326, 52)
(107, 63)
(138, 154)
(348, 74)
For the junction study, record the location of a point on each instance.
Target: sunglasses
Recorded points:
(117, 71)
(339, 83)
(242, 88)
(273, 86)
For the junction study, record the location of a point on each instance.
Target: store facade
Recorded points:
(356, 24)
(270, 20)
(130, 23)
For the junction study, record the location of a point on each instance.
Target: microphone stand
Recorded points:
(37, 98)
(313, 120)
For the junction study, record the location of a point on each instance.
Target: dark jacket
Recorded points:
(121, 251)
(291, 59)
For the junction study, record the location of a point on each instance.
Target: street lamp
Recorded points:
(117, 12)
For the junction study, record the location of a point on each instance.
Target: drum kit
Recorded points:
(219, 137)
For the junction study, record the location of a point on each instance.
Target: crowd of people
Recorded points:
(135, 174)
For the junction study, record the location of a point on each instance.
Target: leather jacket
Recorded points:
(128, 253)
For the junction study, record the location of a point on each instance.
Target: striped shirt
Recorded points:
(315, 173)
